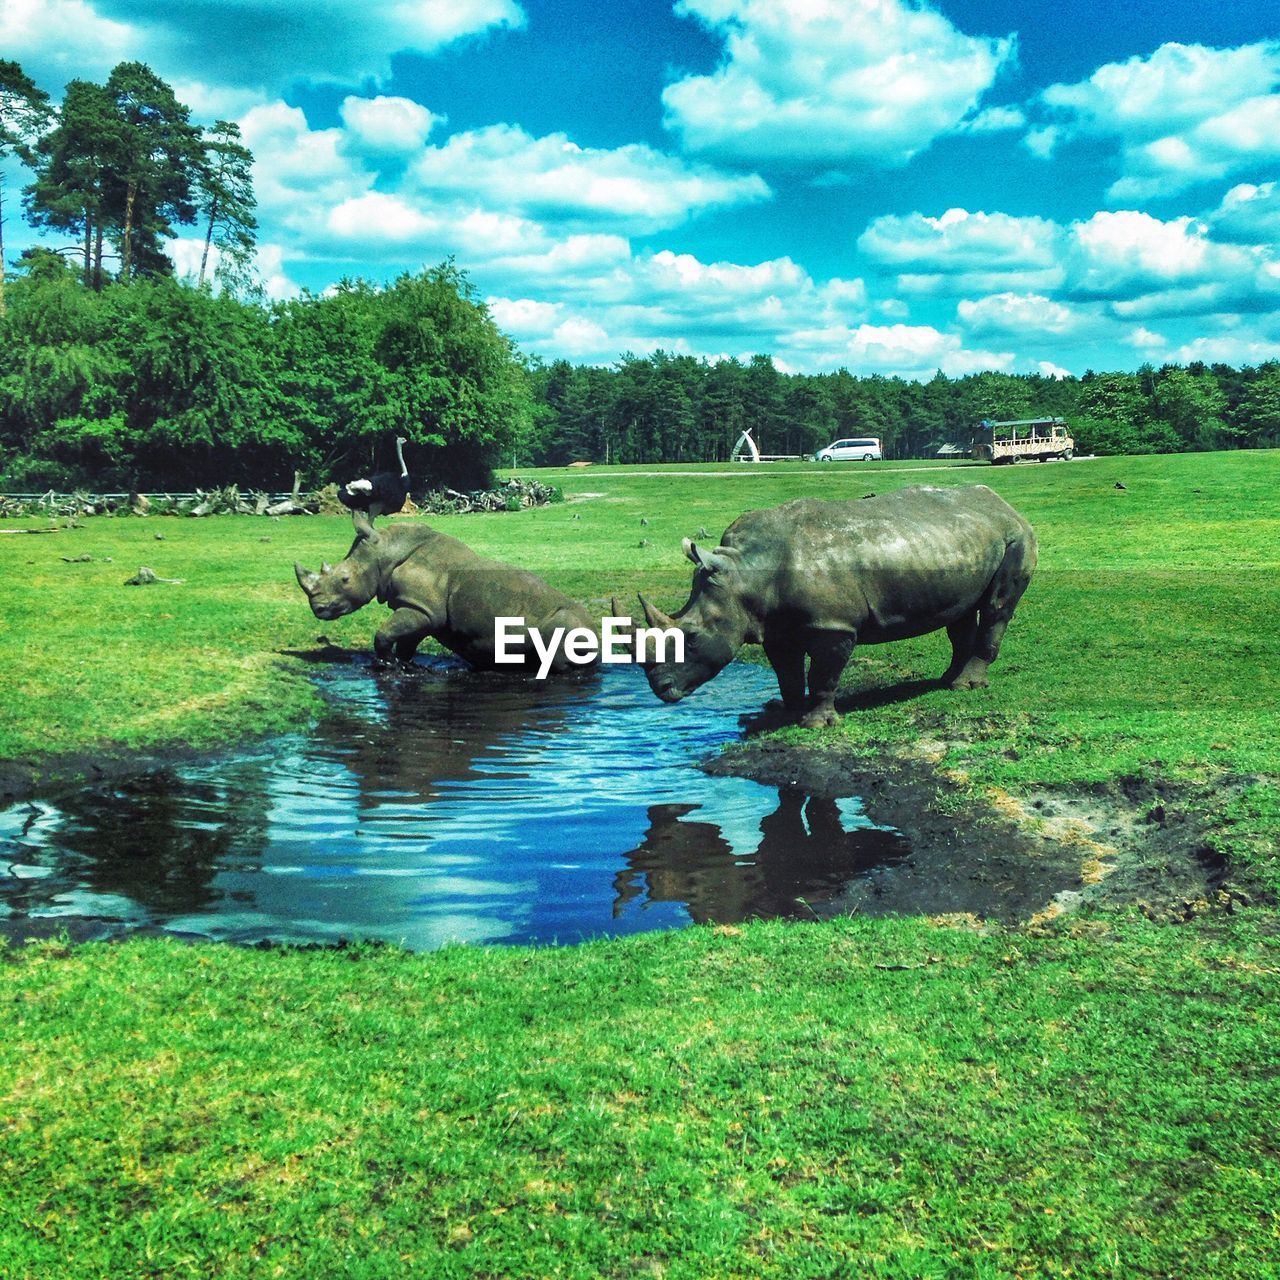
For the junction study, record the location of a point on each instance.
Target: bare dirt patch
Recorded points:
(1024, 859)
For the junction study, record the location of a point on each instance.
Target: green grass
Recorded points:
(865, 1098)
(881, 1099)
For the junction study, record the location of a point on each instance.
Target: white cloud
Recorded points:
(266, 45)
(1186, 114)
(268, 264)
(525, 316)
(965, 253)
(377, 216)
(60, 40)
(913, 351)
(1233, 349)
(961, 241)
(1147, 266)
(1020, 313)
(1248, 214)
(635, 185)
(682, 304)
(868, 81)
(298, 171)
(1147, 339)
(387, 124)
(1137, 264)
(994, 120)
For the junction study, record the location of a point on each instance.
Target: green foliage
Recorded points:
(664, 408)
(455, 386)
(151, 173)
(226, 202)
(24, 115)
(158, 385)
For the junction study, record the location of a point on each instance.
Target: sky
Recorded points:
(888, 186)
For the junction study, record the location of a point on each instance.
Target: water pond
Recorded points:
(440, 806)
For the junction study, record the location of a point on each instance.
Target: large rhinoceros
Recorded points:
(437, 586)
(811, 579)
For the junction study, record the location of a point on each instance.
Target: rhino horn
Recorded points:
(655, 617)
(615, 606)
(364, 526)
(307, 580)
(709, 560)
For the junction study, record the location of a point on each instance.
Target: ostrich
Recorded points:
(381, 494)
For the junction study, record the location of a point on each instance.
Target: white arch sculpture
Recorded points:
(746, 449)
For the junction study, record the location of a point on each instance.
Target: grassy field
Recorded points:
(879, 1098)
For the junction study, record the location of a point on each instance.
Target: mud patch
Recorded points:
(1023, 859)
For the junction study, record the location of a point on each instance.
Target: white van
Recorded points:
(861, 449)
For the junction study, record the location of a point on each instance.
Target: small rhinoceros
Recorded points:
(437, 586)
(811, 579)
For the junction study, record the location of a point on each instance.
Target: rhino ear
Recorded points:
(326, 569)
(307, 580)
(704, 559)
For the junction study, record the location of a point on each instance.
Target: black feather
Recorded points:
(384, 496)
(380, 495)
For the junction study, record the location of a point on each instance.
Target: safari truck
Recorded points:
(1036, 439)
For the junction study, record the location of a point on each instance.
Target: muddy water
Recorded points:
(443, 805)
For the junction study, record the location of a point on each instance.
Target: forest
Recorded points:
(115, 374)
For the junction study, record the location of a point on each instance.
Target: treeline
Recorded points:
(664, 408)
(156, 385)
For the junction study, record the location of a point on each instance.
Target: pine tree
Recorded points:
(225, 200)
(24, 115)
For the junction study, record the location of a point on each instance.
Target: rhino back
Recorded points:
(466, 591)
(909, 560)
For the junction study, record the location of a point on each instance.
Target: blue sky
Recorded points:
(887, 186)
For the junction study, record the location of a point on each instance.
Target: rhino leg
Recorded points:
(994, 611)
(828, 656)
(786, 657)
(962, 633)
(400, 636)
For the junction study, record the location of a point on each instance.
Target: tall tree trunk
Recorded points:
(97, 261)
(208, 238)
(88, 249)
(127, 247)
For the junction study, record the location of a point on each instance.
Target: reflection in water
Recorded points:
(804, 857)
(447, 805)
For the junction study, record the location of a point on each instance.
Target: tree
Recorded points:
(1193, 406)
(75, 166)
(457, 388)
(225, 200)
(160, 154)
(1258, 414)
(24, 115)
